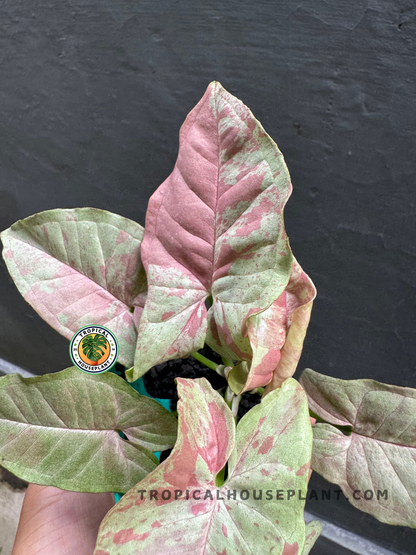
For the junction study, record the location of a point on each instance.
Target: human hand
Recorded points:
(58, 522)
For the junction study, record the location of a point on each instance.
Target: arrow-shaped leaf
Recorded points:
(270, 451)
(215, 228)
(80, 267)
(277, 335)
(373, 456)
(63, 430)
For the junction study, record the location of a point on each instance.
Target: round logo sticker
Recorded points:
(94, 349)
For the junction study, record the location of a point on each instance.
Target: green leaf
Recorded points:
(80, 267)
(313, 530)
(94, 347)
(63, 430)
(237, 378)
(367, 443)
(270, 450)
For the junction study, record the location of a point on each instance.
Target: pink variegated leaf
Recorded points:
(367, 444)
(214, 228)
(62, 430)
(313, 530)
(270, 450)
(277, 335)
(79, 267)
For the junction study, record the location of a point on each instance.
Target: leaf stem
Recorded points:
(227, 361)
(258, 390)
(204, 360)
(233, 401)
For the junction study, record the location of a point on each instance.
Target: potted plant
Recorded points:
(213, 266)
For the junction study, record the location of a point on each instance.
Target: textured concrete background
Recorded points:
(92, 95)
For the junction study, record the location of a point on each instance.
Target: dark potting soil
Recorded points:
(159, 381)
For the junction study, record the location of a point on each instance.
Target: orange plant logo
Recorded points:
(94, 349)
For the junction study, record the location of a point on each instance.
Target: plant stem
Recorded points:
(258, 390)
(234, 406)
(233, 401)
(204, 360)
(227, 361)
(229, 395)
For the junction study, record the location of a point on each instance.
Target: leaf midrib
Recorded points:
(15, 238)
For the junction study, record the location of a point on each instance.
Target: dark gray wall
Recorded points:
(92, 95)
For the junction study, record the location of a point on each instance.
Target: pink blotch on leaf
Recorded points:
(127, 317)
(252, 219)
(123, 509)
(121, 237)
(266, 446)
(180, 293)
(128, 535)
(303, 469)
(228, 340)
(167, 315)
(199, 508)
(224, 531)
(219, 422)
(181, 473)
(156, 524)
(291, 549)
(71, 217)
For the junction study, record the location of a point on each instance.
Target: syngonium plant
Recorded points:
(212, 266)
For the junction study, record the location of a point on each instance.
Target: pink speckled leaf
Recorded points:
(313, 529)
(270, 451)
(374, 452)
(62, 430)
(214, 228)
(80, 267)
(277, 335)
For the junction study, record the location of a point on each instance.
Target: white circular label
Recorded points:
(94, 349)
